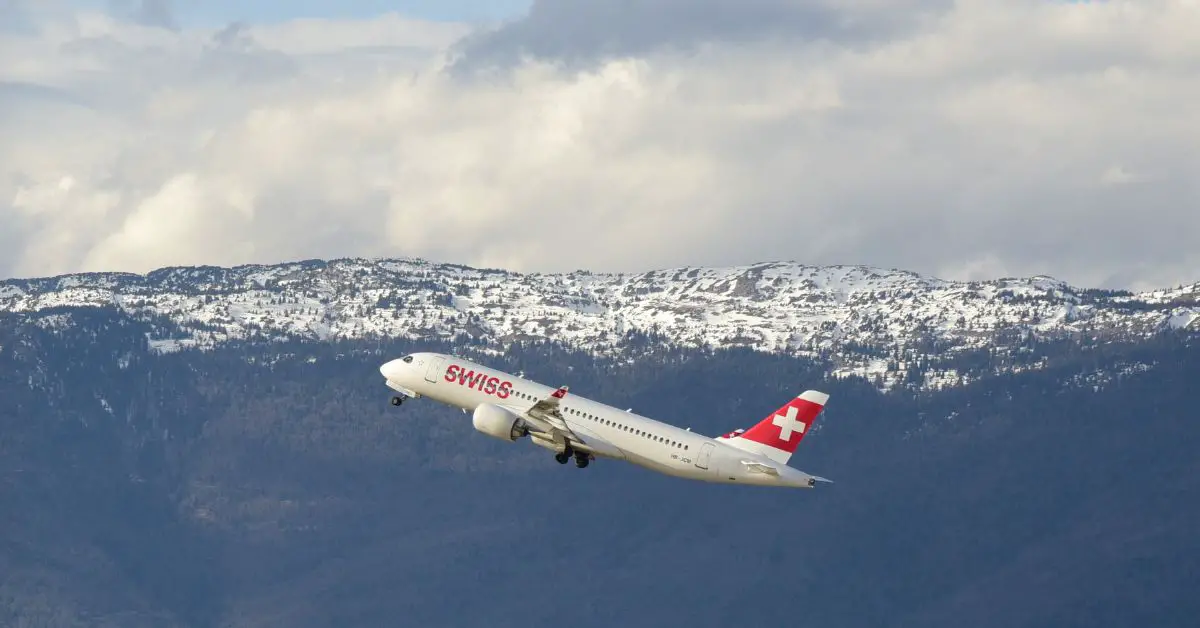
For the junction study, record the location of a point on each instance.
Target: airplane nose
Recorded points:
(389, 369)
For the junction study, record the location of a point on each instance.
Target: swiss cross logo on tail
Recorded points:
(787, 423)
(786, 427)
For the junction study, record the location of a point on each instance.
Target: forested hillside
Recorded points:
(270, 484)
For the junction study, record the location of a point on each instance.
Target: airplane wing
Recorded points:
(547, 420)
(546, 410)
(546, 416)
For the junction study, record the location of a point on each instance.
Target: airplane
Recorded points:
(510, 407)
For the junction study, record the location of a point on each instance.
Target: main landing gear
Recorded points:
(581, 458)
(398, 399)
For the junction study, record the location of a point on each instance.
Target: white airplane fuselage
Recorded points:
(611, 432)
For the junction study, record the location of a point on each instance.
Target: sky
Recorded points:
(964, 139)
(216, 13)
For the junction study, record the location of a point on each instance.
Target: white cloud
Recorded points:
(966, 140)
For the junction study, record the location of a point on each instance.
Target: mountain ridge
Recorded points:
(244, 483)
(880, 324)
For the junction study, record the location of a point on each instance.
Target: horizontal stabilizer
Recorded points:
(758, 467)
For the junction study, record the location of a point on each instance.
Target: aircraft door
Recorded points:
(436, 367)
(706, 450)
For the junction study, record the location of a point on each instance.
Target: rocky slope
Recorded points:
(864, 321)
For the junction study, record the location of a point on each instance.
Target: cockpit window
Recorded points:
(407, 358)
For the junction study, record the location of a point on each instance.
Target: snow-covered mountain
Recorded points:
(865, 321)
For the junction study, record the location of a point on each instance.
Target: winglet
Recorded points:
(560, 393)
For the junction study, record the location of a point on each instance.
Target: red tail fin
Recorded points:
(784, 429)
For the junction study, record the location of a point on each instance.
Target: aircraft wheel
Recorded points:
(581, 461)
(397, 400)
(562, 458)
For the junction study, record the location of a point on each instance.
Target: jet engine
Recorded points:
(498, 422)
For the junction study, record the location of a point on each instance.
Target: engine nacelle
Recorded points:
(498, 422)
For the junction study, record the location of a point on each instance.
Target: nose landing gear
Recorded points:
(397, 400)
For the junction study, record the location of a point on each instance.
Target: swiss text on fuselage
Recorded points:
(479, 381)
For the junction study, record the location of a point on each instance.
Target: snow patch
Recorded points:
(10, 292)
(1182, 318)
(164, 346)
